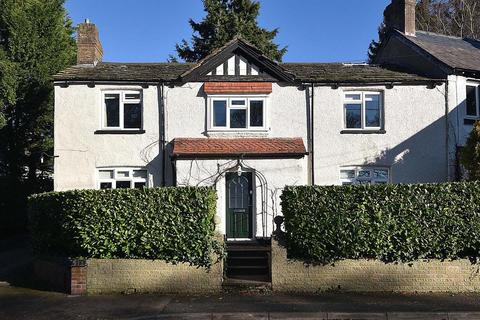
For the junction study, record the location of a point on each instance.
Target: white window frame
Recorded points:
(122, 94)
(357, 180)
(477, 92)
(130, 177)
(229, 99)
(362, 102)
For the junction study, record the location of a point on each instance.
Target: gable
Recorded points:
(237, 61)
(236, 65)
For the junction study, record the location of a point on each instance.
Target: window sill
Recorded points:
(119, 132)
(469, 121)
(348, 131)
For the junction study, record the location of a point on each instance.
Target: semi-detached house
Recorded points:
(249, 126)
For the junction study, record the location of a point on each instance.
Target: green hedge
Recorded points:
(171, 224)
(387, 222)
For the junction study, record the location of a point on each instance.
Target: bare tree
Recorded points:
(459, 18)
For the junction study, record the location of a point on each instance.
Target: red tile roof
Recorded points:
(247, 147)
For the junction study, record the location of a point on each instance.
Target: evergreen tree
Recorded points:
(470, 154)
(36, 42)
(224, 20)
(375, 45)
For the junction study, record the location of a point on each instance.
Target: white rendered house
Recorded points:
(249, 126)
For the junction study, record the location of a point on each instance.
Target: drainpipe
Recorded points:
(162, 131)
(312, 134)
(447, 129)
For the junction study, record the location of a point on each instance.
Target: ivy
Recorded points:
(391, 223)
(170, 224)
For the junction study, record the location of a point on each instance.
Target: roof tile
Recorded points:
(198, 147)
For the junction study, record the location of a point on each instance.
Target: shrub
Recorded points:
(387, 222)
(171, 224)
(470, 154)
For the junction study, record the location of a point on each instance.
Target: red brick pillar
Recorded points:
(78, 277)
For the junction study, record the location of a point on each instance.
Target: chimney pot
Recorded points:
(400, 15)
(89, 48)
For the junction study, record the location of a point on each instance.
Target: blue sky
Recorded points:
(313, 30)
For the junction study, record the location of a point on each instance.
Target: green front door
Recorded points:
(239, 205)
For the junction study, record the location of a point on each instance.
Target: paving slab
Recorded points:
(240, 316)
(298, 315)
(464, 316)
(356, 316)
(418, 315)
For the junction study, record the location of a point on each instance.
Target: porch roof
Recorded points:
(239, 147)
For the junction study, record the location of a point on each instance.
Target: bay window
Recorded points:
(237, 113)
(122, 110)
(122, 178)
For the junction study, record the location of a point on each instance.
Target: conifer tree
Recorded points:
(36, 42)
(470, 154)
(224, 20)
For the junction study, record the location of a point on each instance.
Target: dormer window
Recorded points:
(232, 113)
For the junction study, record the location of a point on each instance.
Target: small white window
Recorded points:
(122, 178)
(363, 110)
(472, 105)
(364, 175)
(237, 113)
(122, 110)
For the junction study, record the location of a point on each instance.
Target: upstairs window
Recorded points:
(122, 110)
(364, 175)
(472, 101)
(122, 178)
(363, 110)
(238, 113)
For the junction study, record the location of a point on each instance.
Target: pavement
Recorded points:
(19, 301)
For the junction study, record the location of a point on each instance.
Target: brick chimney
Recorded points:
(89, 48)
(400, 15)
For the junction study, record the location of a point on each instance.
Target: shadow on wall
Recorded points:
(422, 157)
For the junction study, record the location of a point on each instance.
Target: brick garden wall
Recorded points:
(372, 275)
(122, 275)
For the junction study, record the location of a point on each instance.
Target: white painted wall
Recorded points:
(414, 145)
(278, 173)
(80, 151)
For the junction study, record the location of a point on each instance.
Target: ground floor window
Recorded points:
(364, 175)
(122, 178)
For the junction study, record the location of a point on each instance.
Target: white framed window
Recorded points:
(472, 105)
(363, 110)
(122, 110)
(122, 178)
(233, 113)
(364, 175)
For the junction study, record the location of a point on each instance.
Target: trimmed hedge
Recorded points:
(171, 224)
(387, 222)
